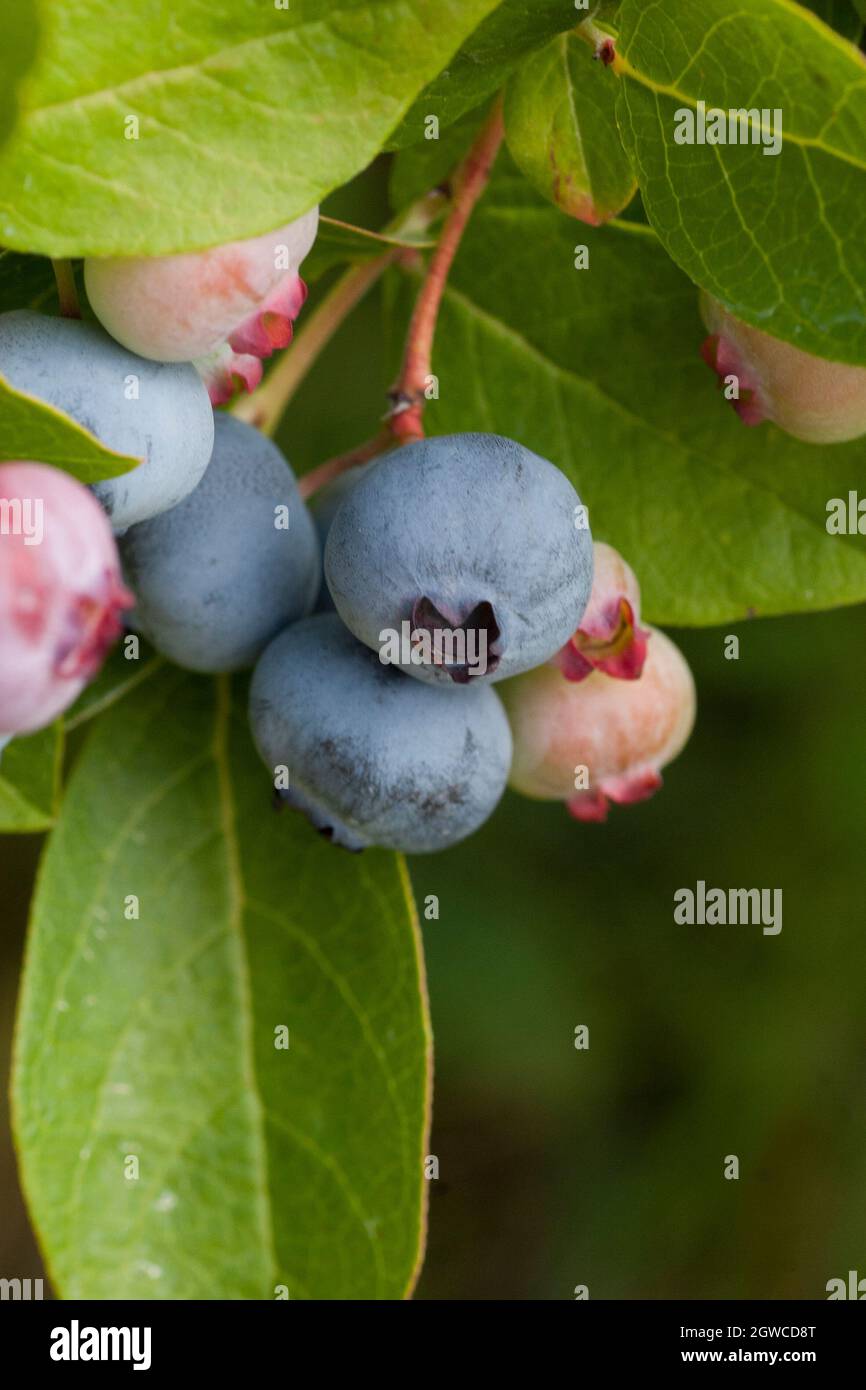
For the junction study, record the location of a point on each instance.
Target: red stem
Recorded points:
(468, 183)
(326, 472)
(405, 421)
(66, 292)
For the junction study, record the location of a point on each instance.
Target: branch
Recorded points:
(327, 472)
(66, 291)
(408, 395)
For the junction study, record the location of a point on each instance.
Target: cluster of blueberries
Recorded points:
(450, 565)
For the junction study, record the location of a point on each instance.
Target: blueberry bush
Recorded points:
(623, 312)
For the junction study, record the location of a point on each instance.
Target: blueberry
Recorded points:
(465, 557)
(372, 757)
(324, 506)
(158, 413)
(220, 574)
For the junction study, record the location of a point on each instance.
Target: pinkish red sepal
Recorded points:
(592, 805)
(612, 643)
(270, 327)
(636, 786)
(588, 806)
(573, 665)
(226, 372)
(720, 353)
(93, 626)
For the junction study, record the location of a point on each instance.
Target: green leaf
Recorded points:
(600, 371)
(155, 1038)
(781, 240)
(247, 115)
(484, 63)
(427, 165)
(120, 675)
(34, 430)
(20, 38)
(561, 128)
(30, 768)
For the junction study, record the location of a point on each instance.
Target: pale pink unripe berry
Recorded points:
(609, 638)
(243, 296)
(810, 398)
(61, 594)
(616, 735)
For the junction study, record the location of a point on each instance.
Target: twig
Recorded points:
(327, 472)
(408, 395)
(66, 291)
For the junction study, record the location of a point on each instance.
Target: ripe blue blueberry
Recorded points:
(220, 574)
(465, 557)
(324, 506)
(156, 412)
(373, 758)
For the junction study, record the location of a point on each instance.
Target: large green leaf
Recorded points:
(30, 781)
(20, 37)
(120, 675)
(561, 127)
(248, 115)
(155, 1038)
(32, 429)
(780, 239)
(599, 370)
(419, 168)
(514, 29)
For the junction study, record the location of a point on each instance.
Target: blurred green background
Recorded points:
(605, 1167)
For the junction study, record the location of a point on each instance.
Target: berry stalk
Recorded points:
(469, 182)
(66, 291)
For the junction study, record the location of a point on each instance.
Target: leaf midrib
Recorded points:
(624, 68)
(228, 820)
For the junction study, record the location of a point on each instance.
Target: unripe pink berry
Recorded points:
(609, 638)
(182, 308)
(810, 398)
(614, 735)
(61, 593)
